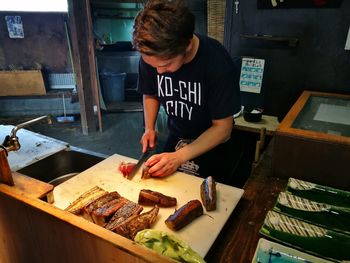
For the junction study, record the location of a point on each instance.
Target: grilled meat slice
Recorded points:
(149, 197)
(104, 213)
(127, 210)
(145, 173)
(208, 193)
(136, 223)
(85, 199)
(99, 202)
(184, 215)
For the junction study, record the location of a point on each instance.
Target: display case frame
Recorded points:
(286, 126)
(310, 155)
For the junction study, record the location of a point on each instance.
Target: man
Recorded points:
(196, 81)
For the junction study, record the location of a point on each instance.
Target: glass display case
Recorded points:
(313, 141)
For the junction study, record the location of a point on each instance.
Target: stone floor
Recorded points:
(121, 133)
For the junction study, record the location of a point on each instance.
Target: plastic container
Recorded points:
(113, 86)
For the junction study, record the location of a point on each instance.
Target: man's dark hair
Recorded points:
(164, 28)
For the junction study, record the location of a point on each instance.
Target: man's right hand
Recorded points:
(148, 140)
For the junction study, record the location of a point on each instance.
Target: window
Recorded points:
(34, 5)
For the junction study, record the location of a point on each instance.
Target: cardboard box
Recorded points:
(21, 82)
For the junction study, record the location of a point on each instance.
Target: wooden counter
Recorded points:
(238, 239)
(35, 231)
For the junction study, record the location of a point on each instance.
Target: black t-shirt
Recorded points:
(200, 91)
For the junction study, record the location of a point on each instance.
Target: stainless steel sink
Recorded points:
(62, 165)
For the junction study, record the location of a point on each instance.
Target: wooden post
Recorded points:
(81, 36)
(5, 171)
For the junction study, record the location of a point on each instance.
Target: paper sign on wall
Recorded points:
(251, 75)
(14, 26)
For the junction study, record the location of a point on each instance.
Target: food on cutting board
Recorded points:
(126, 168)
(145, 174)
(103, 208)
(184, 215)
(149, 197)
(136, 223)
(167, 245)
(128, 210)
(113, 212)
(208, 193)
(85, 199)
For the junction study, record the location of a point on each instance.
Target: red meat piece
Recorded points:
(126, 168)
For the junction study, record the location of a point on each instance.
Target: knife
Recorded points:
(139, 163)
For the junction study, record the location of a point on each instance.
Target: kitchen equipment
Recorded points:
(141, 160)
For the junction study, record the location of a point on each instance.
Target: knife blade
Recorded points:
(139, 163)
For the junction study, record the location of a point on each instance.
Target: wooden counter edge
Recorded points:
(124, 244)
(239, 238)
(31, 187)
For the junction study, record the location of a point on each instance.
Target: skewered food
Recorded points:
(136, 223)
(85, 199)
(149, 197)
(208, 193)
(184, 215)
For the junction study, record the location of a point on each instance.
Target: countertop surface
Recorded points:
(200, 234)
(34, 146)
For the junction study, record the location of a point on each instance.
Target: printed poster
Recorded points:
(251, 75)
(14, 26)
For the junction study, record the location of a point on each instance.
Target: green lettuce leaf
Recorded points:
(167, 245)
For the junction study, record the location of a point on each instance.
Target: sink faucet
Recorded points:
(11, 142)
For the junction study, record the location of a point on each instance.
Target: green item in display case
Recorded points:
(319, 193)
(317, 240)
(328, 216)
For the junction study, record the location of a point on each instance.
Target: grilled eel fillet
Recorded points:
(149, 197)
(85, 199)
(127, 210)
(184, 215)
(103, 214)
(136, 223)
(102, 209)
(208, 193)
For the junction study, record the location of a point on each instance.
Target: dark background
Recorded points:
(318, 62)
(44, 42)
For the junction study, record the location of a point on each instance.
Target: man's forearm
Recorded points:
(218, 133)
(151, 107)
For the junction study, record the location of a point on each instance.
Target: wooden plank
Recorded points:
(5, 171)
(269, 122)
(82, 50)
(21, 83)
(92, 61)
(29, 186)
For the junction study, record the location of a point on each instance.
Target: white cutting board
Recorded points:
(200, 234)
(34, 147)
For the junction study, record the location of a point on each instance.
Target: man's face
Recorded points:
(164, 65)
